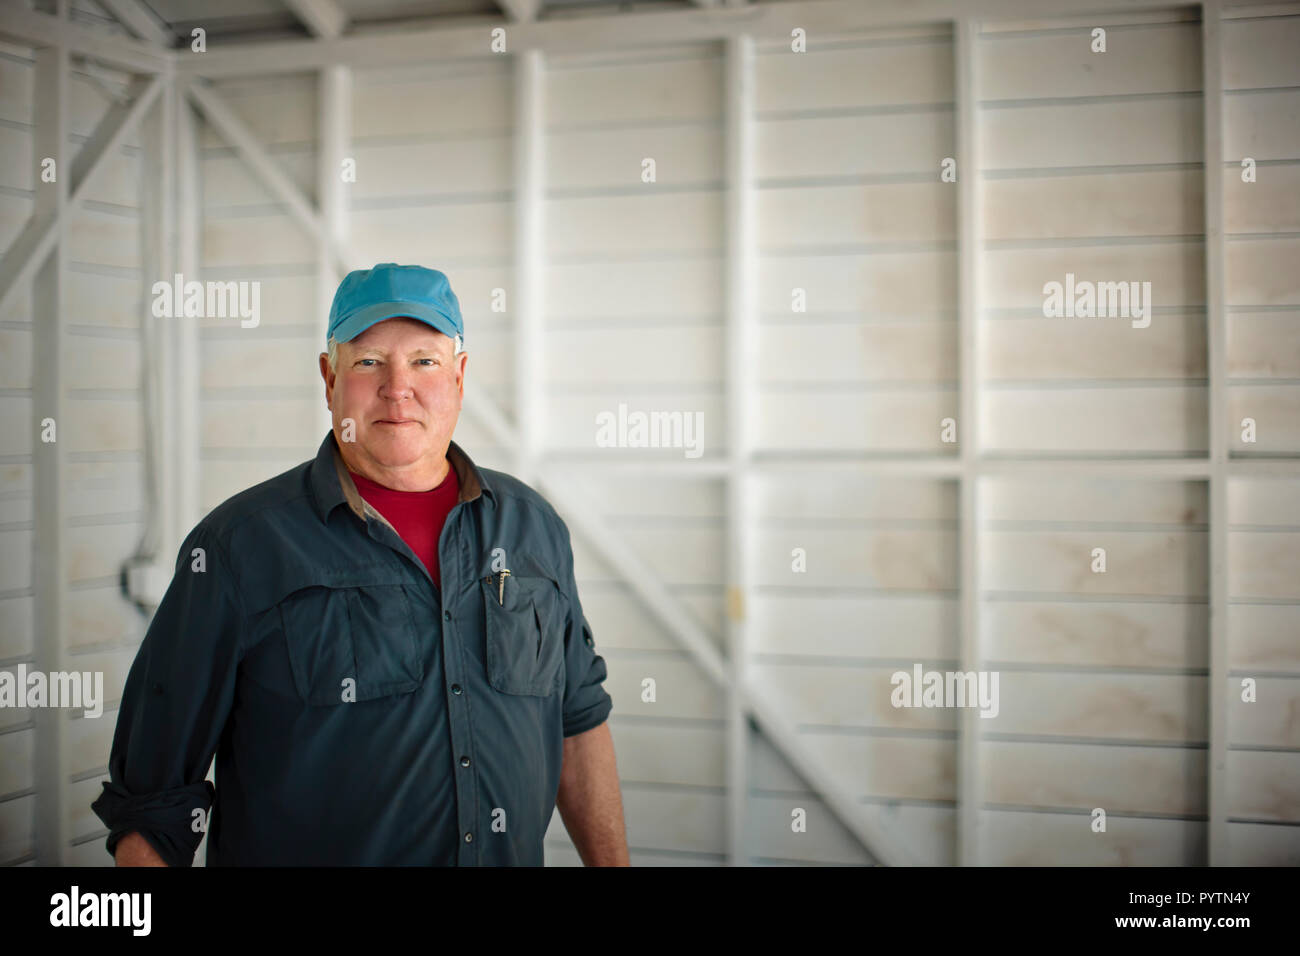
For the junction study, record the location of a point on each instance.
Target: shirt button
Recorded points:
(446, 615)
(469, 838)
(464, 761)
(456, 689)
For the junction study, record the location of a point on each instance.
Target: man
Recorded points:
(383, 647)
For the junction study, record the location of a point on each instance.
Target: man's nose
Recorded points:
(399, 377)
(397, 384)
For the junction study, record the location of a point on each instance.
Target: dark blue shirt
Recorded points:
(360, 712)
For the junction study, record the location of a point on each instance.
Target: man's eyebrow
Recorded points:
(376, 350)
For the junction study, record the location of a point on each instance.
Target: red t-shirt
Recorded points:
(418, 516)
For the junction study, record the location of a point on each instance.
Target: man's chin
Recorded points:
(394, 448)
(407, 433)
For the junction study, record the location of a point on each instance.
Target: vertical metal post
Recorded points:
(49, 458)
(158, 335)
(334, 103)
(741, 351)
(1216, 329)
(969, 780)
(527, 302)
(185, 358)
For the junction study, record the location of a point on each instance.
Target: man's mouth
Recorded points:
(397, 421)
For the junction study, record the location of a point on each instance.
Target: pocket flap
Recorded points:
(351, 644)
(525, 640)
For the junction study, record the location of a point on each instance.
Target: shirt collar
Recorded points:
(332, 485)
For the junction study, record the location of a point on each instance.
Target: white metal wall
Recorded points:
(1087, 163)
(1261, 115)
(102, 301)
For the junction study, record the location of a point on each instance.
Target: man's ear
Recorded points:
(461, 361)
(328, 375)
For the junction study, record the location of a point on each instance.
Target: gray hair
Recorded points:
(332, 347)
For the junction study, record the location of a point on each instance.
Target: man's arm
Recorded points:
(177, 696)
(589, 800)
(135, 850)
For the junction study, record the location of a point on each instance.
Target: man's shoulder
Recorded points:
(512, 492)
(265, 501)
(530, 525)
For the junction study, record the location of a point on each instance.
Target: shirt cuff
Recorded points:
(589, 717)
(164, 818)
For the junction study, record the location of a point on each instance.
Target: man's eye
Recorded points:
(364, 361)
(430, 360)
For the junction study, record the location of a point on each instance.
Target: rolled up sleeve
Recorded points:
(586, 703)
(178, 694)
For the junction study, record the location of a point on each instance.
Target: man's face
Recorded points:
(401, 385)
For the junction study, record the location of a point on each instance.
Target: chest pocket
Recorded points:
(366, 635)
(525, 635)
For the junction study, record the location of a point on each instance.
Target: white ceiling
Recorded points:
(273, 18)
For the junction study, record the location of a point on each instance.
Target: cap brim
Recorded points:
(362, 319)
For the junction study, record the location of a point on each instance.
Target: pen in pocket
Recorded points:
(501, 586)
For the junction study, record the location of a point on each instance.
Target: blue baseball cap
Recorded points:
(390, 291)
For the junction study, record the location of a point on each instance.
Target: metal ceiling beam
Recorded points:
(399, 44)
(628, 31)
(520, 11)
(324, 18)
(141, 21)
(43, 30)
